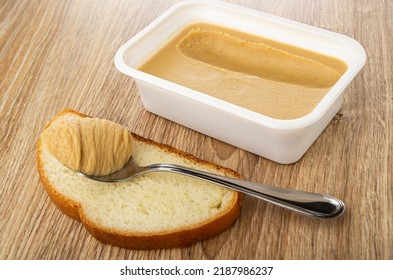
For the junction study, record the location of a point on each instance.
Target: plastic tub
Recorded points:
(283, 141)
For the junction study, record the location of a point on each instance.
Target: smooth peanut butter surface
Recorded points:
(89, 145)
(257, 59)
(265, 76)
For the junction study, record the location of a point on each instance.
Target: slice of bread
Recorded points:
(151, 211)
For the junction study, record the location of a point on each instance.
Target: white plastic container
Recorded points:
(283, 141)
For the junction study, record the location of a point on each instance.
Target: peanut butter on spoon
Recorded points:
(89, 145)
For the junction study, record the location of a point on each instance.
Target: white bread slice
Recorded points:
(152, 211)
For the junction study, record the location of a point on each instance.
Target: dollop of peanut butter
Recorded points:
(90, 145)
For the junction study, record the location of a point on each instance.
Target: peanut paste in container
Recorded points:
(265, 76)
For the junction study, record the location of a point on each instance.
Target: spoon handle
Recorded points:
(310, 204)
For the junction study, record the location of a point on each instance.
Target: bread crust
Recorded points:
(133, 240)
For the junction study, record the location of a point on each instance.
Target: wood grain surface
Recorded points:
(59, 54)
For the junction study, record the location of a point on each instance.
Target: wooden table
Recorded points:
(59, 54)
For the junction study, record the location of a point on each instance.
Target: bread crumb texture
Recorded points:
(151, 203)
